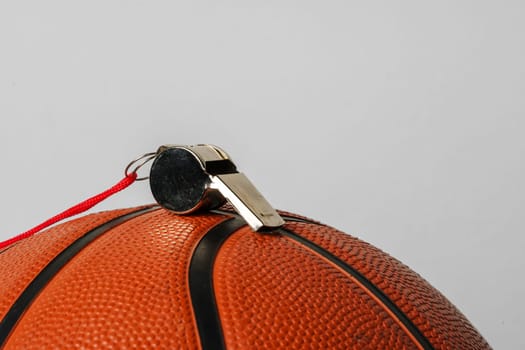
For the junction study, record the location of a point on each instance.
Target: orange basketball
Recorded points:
(146, 278)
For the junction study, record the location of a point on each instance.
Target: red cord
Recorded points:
(77, 209)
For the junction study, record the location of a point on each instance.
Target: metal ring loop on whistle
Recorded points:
(142, 160)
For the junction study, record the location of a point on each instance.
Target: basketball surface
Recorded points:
(147, 278)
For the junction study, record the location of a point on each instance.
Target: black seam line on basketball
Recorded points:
(42, 279)
(201, 283)
(410, 326)
(418, 335)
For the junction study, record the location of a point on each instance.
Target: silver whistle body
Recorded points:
(186, 179)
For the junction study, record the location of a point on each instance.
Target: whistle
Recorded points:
(186, 179)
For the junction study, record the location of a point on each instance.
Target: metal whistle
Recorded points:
(185, 179)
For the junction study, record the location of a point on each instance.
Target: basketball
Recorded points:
(196, 272)
(148, 278)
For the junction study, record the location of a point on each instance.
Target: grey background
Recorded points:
(401, 122)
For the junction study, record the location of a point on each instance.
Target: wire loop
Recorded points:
(139, 163)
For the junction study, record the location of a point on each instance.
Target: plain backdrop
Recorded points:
(400, 122)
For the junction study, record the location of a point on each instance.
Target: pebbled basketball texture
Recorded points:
(145, 278)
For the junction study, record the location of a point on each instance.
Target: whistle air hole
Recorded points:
(225, 166)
